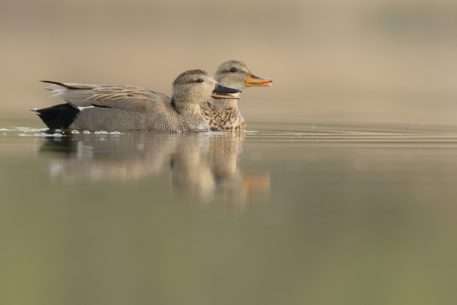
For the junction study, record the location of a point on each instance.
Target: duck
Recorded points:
(224, 114)
(128, 108)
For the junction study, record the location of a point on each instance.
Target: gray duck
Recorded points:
(128, 108)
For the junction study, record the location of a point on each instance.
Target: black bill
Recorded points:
(225, 92)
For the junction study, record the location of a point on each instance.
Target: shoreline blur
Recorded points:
(354, 61)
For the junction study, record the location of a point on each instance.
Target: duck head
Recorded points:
(196, 87)
(235, 74)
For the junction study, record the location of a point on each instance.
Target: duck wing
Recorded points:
(127, 98)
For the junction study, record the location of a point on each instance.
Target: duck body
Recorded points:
(224, 115)
(159, 114)
(127, 108)
(114, 119)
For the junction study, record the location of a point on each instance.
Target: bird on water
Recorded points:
(128, 108)
(224, 114)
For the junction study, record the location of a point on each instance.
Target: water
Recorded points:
(283, 214)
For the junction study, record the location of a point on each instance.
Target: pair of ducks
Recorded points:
(198, 103)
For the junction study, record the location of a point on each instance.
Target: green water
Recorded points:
(284, 214)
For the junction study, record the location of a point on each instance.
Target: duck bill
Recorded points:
(221, 92)
(255, 81)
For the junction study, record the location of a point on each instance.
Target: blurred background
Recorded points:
(307, 210)
(350, 60)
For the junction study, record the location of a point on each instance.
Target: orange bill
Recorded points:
(254, 81)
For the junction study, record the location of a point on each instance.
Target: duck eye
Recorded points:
(199, 80)
(233, 70)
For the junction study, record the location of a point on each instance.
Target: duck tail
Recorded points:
(57, 88)
(57, 117)
(56, 83)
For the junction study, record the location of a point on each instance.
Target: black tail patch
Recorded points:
(59, 116)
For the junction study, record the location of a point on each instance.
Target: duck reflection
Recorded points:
(203, 166)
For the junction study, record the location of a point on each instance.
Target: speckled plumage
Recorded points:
(224, 114)
(223, 118)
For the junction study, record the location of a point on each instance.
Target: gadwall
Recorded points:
(224, 114)
(123, 108)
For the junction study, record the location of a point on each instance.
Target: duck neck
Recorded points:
(183, 107)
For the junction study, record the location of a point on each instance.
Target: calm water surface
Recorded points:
(283, 214)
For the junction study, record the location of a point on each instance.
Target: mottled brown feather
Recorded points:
(225, 119)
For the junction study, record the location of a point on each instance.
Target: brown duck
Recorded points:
(223, 114)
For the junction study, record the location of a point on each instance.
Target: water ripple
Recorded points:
(296, 133)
